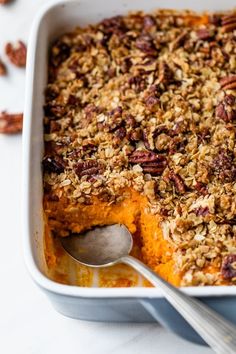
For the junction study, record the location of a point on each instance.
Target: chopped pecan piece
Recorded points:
(130, 121)
(116, 112)
(223, 166)
(137, 83)
(113, 25)
(228, 23)
(201, 188)
(59, 53)
(166, 75)
(53, 164)
(148, 22)
(152, 102)
(226, 109)
(215, 19)
(135, 135)
(146, 45)
(11, 123)
(228, 268)
(205, 34)
(201, 211)
(16, 53)
(120, 133)
(54, 126)
(3, 69)
(179, 40)
(145, 140)
(88, 168)
(228, 82)
(54, 111)
(178, 182)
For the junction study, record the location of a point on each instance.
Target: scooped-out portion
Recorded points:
(140, 114)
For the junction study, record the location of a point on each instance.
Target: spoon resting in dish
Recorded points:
(109, 245)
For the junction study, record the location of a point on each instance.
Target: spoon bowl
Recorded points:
(100, 247)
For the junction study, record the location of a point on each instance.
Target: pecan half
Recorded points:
(228, 23)
(16, 53)
(205, 34)
(155, 168)
(178, 182)
(2, 2)
(11, 123)
(228, 268)
(3, 69)
(149, 161)
(140, 156)
(228, 82)
(226, 109)
(88, 168)
(53, 164)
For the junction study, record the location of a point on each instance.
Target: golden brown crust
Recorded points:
(148, 102)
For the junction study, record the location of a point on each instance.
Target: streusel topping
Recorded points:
(148, 101)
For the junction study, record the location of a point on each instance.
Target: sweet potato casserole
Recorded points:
(139, 125)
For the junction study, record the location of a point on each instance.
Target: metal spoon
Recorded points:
(109, 245)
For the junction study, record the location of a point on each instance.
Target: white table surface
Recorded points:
(28, 323)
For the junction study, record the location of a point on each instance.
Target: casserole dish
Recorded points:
(123, 304)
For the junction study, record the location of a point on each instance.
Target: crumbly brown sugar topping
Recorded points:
(148, 101)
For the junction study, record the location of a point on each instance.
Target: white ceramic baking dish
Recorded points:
(100, 304)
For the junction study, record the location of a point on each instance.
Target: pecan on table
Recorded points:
(88, 168)
(228, 82)
(149, 161)
(11, 123)
(3, 69)
(228, 23)
(17, 53)
(226, 109)
(228, 268)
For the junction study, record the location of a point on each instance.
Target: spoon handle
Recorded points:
(214, 329)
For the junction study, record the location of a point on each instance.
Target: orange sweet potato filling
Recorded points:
(149, 244)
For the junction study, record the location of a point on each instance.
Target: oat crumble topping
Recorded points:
(148, 101)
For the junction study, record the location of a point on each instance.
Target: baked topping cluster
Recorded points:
(148, 101)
